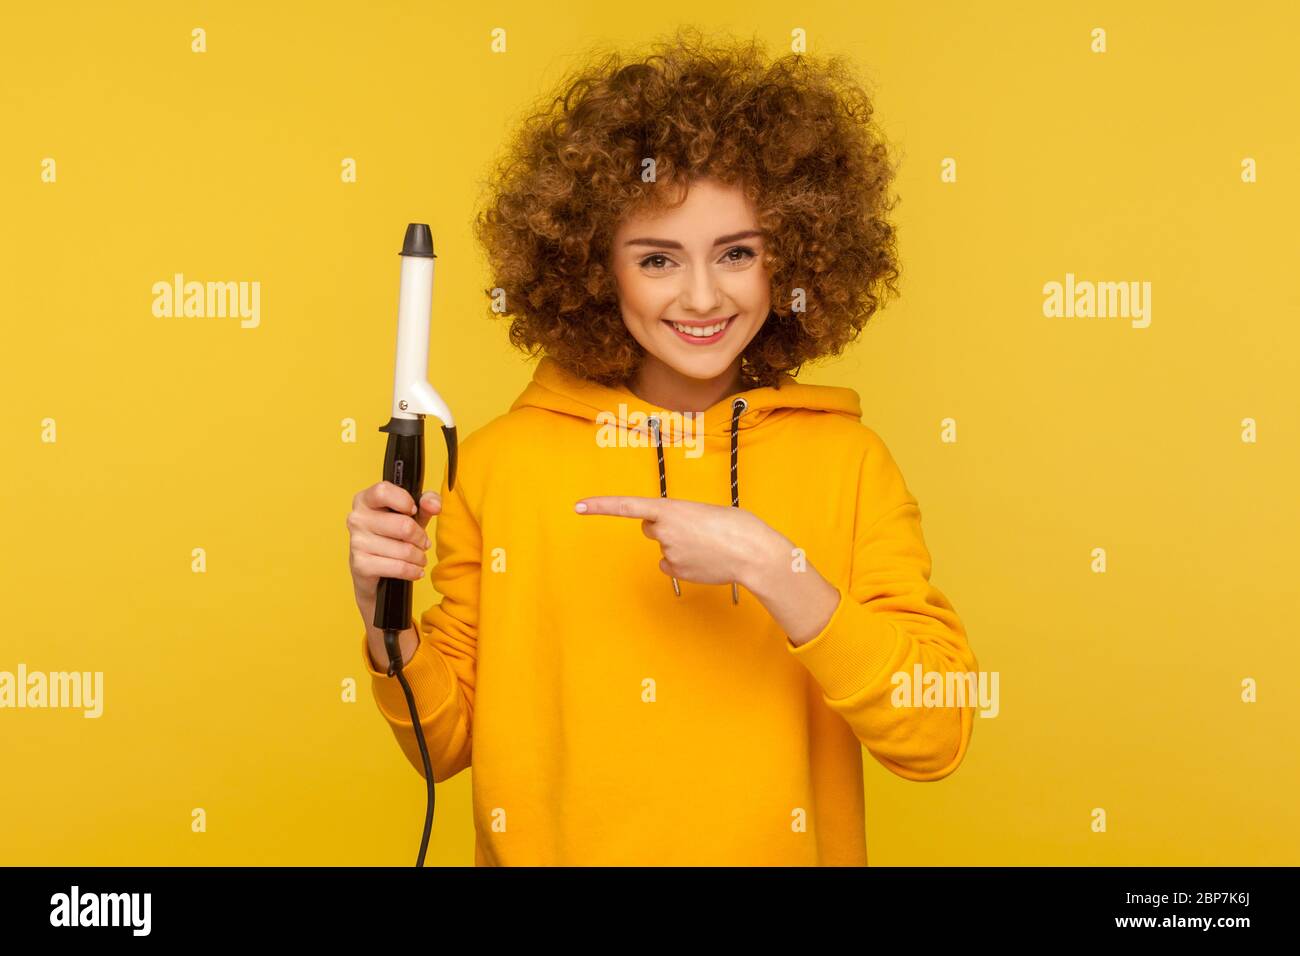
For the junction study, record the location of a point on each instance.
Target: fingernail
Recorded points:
(580, 507)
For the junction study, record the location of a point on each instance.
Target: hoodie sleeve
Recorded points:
(442, 670)
(890, 619)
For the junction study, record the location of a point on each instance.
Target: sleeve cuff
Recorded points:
(428, 674)
(851, 651)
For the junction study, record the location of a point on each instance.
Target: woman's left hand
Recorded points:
(704, 543)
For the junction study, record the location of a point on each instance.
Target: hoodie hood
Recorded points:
(555, 389)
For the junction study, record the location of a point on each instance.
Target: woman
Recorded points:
(701, 697)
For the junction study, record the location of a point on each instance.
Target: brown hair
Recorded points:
(795, 134)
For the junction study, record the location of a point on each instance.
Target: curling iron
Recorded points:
(413, 398)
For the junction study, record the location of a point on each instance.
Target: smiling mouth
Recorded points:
(701, 334)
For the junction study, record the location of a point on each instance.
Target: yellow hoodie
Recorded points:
(608, 721)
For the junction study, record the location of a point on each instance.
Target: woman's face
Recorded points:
(692, 285)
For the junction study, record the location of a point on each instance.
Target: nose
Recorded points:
(702, 293)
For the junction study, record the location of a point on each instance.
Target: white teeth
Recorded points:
(701, 332)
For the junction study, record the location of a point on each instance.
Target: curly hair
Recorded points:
(794, 134)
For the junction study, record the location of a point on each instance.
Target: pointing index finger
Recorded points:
(624, 506)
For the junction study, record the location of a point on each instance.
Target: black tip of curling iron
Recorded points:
(418, 241)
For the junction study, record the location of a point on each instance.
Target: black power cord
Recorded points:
(395, 668)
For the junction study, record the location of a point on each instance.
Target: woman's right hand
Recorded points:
(387, 537)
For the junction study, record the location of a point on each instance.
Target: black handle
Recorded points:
(403, 466)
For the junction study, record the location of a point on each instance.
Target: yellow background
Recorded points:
(222, 690)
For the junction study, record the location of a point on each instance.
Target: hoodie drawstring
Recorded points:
(663, 478)
(738, 406)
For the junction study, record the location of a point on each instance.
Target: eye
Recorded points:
(748, 254)
(646, 263)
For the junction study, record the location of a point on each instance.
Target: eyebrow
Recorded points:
(670, 244)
